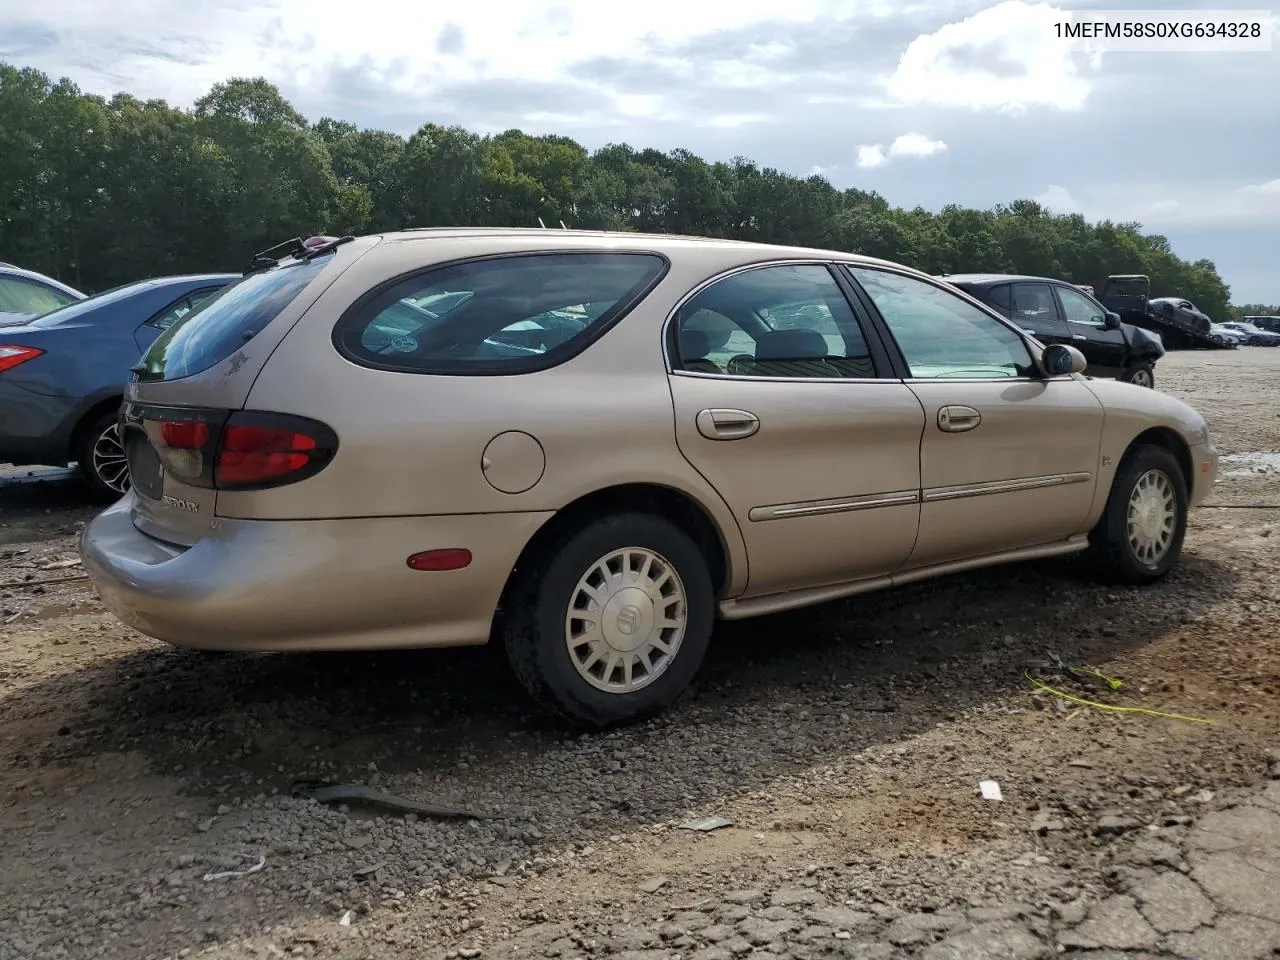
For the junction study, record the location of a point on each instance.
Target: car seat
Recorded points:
(793, 353)
(694, 345)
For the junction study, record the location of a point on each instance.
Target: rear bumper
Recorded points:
(306, 584)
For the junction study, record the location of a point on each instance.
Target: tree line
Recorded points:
(99, 192)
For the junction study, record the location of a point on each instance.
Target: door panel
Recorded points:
(1007, 459)
(1086, 319)
(824, 488)
(780, 404)
(1023, 475)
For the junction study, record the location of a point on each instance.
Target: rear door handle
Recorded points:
(1078, 336)
(958, 419)
(723, 424)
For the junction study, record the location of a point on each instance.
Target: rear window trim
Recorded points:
(351, 317)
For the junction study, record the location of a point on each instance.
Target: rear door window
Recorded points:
(500, 315)
(997, 297)
(1035, 309)
(214, 329)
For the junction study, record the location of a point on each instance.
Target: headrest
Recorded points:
(693, 343)
(799, 344)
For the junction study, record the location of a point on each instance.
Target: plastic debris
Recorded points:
(224, 874)
(323, 792)
(345, 919)
(990, 790)
(705, 824)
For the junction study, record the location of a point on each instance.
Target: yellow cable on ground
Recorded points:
(1110, 706)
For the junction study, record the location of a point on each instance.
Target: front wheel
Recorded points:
(1141, 374)
(102, 458)
(1138, 539)
(611, 622)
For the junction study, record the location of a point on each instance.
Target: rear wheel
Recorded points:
(609, 624)
(1138, 540)
(1140, 374)
(102, 459)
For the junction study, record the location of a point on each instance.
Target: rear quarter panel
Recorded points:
(413, 444)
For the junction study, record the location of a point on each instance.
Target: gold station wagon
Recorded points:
(587, 446)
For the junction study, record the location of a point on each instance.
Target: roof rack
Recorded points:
(297, 248)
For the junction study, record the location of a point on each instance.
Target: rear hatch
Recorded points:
(185, 430)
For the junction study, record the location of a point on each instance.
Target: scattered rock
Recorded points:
(1113, 824)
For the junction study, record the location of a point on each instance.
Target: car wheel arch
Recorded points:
(86, 416)
(664, 501)
(1167, 439)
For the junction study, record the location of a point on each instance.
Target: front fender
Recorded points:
(1128, 413)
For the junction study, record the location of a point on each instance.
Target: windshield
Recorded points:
(77, 310)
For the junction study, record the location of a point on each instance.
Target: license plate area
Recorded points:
(145, 469)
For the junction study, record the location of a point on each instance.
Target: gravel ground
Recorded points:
(846, 759)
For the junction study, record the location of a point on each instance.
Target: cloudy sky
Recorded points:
(947, 101)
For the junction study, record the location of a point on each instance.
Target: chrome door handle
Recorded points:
(958, 419)
(727, 424)
(1078, 336)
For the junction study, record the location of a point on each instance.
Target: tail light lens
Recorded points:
(11, 355)
(253, 455)
(240, 450)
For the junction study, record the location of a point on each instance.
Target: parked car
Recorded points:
(25, 293)
(311, 473)
(1270, 324)
(1179, 307)
(62, 375)
(1225, 337)
(1254, 336)
(1056, 312)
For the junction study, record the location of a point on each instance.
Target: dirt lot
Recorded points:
(845, 744)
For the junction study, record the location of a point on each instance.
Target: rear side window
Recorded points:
(997, 296)
(19, 295)
(215, 329)
(501, 315)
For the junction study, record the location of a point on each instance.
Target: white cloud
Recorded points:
(907, 145)
(915, 145)
(1006, 57)
(872, 155)
(178, 50)
(1057, 199)
(1269, 189)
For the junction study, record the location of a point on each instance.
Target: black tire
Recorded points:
(92, 433)
(1140, 373)
(1113, 555)
(537, 605)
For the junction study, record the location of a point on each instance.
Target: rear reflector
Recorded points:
(11, 356)
(449, 559)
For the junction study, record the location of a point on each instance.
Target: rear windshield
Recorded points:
(214, 330)
(77, 309)
(501, 315)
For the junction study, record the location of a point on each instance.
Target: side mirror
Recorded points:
(1059, 360)
(1111, 321)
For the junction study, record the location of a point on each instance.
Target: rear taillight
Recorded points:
(253, 455)
(243, 450)
(12, 355)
